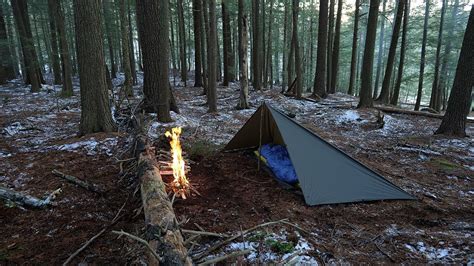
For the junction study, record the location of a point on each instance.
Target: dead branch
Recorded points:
(394, 110)
(27, 200)
(136, 238)
(72, 179)
(228, 256)
(204, 233)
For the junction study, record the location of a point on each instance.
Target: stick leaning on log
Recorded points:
(162, 229)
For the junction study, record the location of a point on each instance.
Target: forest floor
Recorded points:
(38, 135)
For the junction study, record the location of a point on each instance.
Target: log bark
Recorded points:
(411, 112)
(162, 229)
(27, 200)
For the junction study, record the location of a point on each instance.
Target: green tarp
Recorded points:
(326, 174)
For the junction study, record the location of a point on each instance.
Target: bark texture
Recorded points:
(423, 55)
(352, 78)
(212, 57)
(197, 22)
(396, 91)
(243, 57)
(319, 88)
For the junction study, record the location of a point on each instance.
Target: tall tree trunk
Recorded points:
(212, 57)
(319, 88)
(66, 68)
(285, 48)
(335, 52)
(54, 42)
(256, 50)
(227, 40)
(197, 22)
(182, 43)
(95, 108)
(153, 29)
(243, 57)
(381, 52)
(332, 3)
(435, 94)
(127, 69)
(396, 91)
(6, 65)
(132, 48)
(454, 120)
(108, 32)
(368, 60)
(446, 56)
(205, 19)
(423, 55)
(268, 60)
(298, 65)
(352, 78)
(30, 59)
(385, 92)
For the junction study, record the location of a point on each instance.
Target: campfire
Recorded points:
(180, 184)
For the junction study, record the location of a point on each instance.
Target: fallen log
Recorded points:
(27, 200)
(72, 179)
(394, 110)
(162, 228)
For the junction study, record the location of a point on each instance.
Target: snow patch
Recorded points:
(348, 116)
(91, 146)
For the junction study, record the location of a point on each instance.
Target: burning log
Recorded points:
(162, 229)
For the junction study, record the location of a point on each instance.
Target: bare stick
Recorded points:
(77, 181)
(27, 200)
(144, 242)
(225, 242)
(204, 233)
(229, 256)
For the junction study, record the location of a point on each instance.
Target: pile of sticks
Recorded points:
(165, 160)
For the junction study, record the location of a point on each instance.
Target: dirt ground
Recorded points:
(39, 135)
(36, 139)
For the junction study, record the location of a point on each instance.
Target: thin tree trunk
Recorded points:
(95, 108)
(127, 69)
(396, 91)
(182, 43)
(227, 41)
(368, 60)
(6, 65)
(332, 3)
(54, 43)
(243, 57)
(197, 9)
(67, 89)
(319, 88)
(381, 52)
(285, 48)
(132, 48)
(423, 55)
(454, 120)
(153, 29)
(212, 57)
(352, 77)
(384, 96)
(335, 52)
(298, 65)
(256, 46)
(268, 64)
(108, 32)
(434, 88)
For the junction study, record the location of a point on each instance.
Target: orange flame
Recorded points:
(180, 183)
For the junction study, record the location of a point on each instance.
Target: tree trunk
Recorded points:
(298, 65)
(205, 19)
(368, 60)
(182, 43)
(319, 88)
(352, 77)
(385, 92)
(381, 52)
(67, 89)
(6, 65)
(285, 49)
(268, 60)
(30, 59)
(227, 40)
(95, 114)
(108, 32)
(330, 45)
(127, 89)
(454, 121)
(153, 28)
(132, 49)
(256, 50)
(212, 57)
(335, 52)
(446, 56)
(54, 42)
(396, 91)
(423, 55)
(435, 94)
(197, 9)
(243, 57)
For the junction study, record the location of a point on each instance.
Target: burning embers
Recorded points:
(180, 184)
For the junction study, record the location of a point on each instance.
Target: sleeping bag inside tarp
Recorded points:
(276, 157)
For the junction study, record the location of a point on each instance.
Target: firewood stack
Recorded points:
(165, 160)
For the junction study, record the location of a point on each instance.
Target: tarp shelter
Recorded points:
(326, 174)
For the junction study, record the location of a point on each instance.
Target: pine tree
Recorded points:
(396, 91)
(319, 88)
(352, 78)
(197, 22)
(243, 57)
(423, 55)
(212, 57)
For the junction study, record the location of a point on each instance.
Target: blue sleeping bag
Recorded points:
(278, 160)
